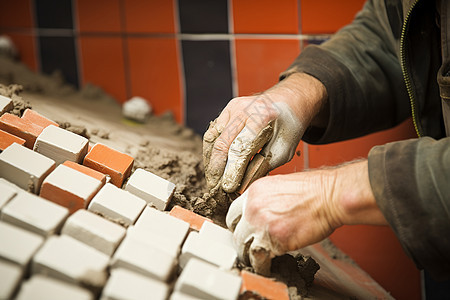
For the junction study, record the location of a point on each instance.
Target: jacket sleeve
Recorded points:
(360, 70)
(411, 183)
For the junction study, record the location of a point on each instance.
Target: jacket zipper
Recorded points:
(406, 75)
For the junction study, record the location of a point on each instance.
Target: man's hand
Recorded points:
(283, 213)
(272, 122)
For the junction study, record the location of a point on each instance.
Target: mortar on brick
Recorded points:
(150, 187)
(143, 258)
(209, 251)
(11, 275)
(258, 287)
(24, 167)
(61, 145)
(163, 224)
(67, 259)
(125, 284)
(117, 205)
(6, 104)
(18, 245)
(94, 231)
(35, 214)
(203, 280)
(70, 188)
(111, 162)
(41, 287)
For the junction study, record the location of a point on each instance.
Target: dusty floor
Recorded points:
(160, 145)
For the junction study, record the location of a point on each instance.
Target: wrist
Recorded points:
(304, 94)
(353, 196)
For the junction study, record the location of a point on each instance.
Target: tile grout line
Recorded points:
(179, 49)
(126, 56)
(233, 56)
(77, 44)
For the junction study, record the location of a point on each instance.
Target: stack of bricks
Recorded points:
(71, 229)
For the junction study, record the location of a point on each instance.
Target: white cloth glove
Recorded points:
(253, 244)
(261, 124)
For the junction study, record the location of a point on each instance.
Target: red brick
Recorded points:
(258, 287)
(37, 119)
(111, 162)
(20, 127)
(7, 139)
(88, 171)
(195, 221)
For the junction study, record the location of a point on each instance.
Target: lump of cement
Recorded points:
(137, 109)
(7, 47)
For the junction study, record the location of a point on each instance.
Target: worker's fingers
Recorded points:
(260, 255)
(215, 129)
(235, 211)
(245, 145)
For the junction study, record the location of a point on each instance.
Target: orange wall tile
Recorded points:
(265, 16)
(102, 64)
(25, 44)
(327, 16)
(336, 153)
(98, 15)
(153, 16)
(155, 74)
(16, 14)
(260, 62)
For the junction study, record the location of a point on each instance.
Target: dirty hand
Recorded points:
(272, 122)
(283, 213)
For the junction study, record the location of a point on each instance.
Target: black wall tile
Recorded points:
(54, 14)
(203, 16)
(207, 71)
(58, 53)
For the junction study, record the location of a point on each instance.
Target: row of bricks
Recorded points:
(134, 253)
(44, 136)
(73, 185)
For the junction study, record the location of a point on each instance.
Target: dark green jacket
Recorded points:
(366, 68)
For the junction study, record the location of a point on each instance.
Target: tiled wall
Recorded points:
(192, 57)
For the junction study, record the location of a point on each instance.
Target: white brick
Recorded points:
(24, 167)
(150, 187)
(216, 233)
(6, 104)
(94, 231)
(61, 145)
(127, 285)
(181, 296)
(18, 245)
(205, 281)
(10, 275)
(215, 253)
(163, 242)
(7, 192)
(35, 214)
(163, 224)
(65, 258)
(44, 288)
(142, 258)
(117, 205)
